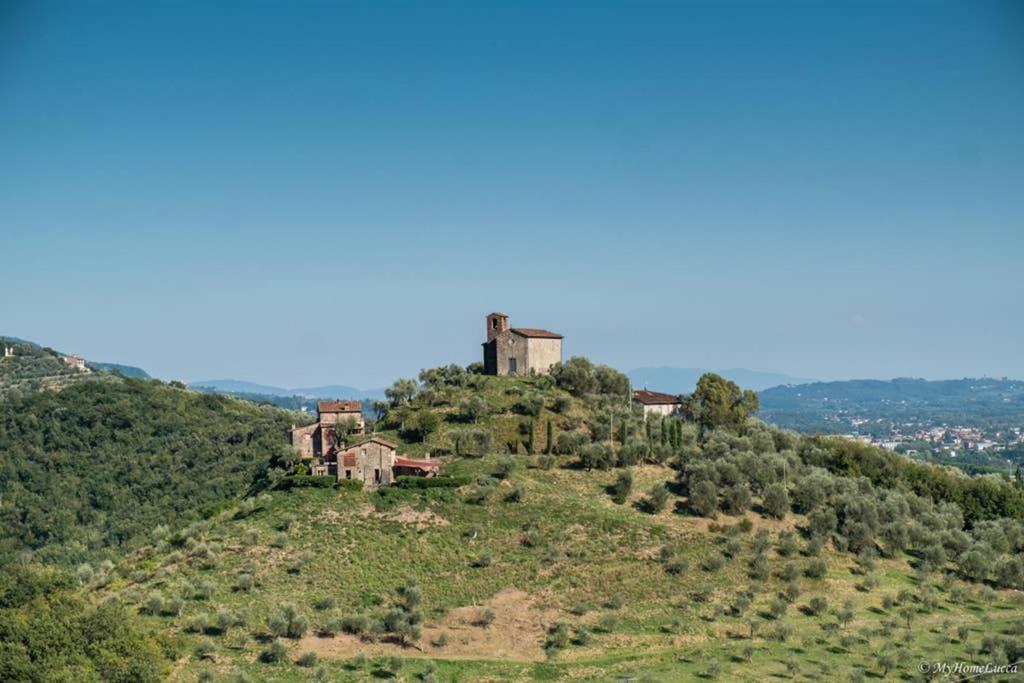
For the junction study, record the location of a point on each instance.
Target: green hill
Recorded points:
(34, 368)
(569, 539)
(85, 471)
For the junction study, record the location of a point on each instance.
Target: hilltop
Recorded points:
(33, 368)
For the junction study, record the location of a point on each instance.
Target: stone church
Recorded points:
(519, 350)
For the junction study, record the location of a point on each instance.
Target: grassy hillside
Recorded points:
(560, 583)
(88, 470)
(660, 550)
(569, 539)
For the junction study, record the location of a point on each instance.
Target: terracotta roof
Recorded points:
(419, 464)
(340, 407)
(655, 398)
(534, 332)
(505, 315)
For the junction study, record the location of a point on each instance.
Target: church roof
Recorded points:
(535, 332)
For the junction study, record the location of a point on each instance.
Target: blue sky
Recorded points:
(310, 193)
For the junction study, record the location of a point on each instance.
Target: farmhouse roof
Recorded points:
(419, 464)
(340, 407)
(535, 332)
(653, 398)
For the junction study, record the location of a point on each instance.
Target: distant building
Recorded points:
(519, 350)
(8, 351)
(321, 438)
(657, 403)
(373, 461)
(77, 362)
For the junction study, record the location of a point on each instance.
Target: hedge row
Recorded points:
(442, 482)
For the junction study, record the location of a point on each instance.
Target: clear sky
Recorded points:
(308, 193)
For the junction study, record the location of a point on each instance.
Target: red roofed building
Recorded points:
(519, 350)
(658, 403)
(375, 462)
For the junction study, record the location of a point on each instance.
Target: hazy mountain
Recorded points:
(126, 370)
(236, 386)
(683, 380)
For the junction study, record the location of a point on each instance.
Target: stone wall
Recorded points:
(662, 409)
(373, 464)
(511, 346)
(302, 439)
(329, 419)
(541, 354)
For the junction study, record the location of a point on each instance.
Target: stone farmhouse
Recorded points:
(77, 362)
(519, 350)
(333, 418)
(657, 403)
(336, 446)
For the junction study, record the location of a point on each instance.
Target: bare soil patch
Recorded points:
(516, 634)
(421, 519)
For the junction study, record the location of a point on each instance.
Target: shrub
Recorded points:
(276, 652)
(154, 603)
(776, 501)
(570, 443)
(703, 499)
(205, 649)
(622, 487)
(324, 603)
(608, 622)
(244, 582)
(777, 608)
(439, 482)
(484, 559)
(598, 456)
(816, 568)
(308, 659)
(287, 622)
(676, 566)
(506, 465)
(657, 499)
(817, 605)
(349, 484)
(713, 562)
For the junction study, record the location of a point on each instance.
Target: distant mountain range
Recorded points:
(236, 386)
(683, 380)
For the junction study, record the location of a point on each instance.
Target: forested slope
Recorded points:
(85, 470)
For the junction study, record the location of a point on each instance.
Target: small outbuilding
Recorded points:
(657, 403)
